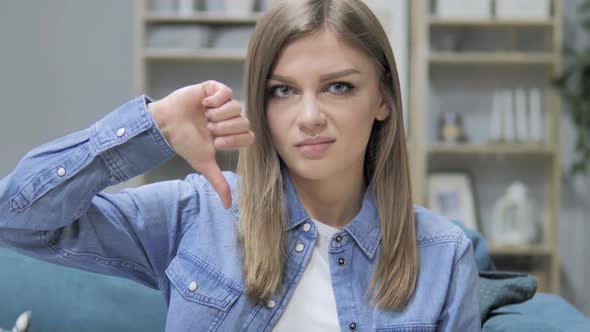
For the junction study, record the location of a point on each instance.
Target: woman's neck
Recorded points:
(333, 201)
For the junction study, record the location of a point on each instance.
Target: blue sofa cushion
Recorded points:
(64, 299)
(480, 248)
(543, 313)
(497, 289)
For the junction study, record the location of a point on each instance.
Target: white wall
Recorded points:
(63, 65)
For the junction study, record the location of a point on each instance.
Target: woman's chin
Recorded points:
(312, 169)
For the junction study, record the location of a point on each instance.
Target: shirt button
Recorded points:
(352, 326)
(61, 171)
(306, 227)
(192, 286)
(271, 304)
(299, 247)
(338, 238)
(341, 261)
(120, 132)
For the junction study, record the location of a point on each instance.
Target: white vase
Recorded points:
(513, 217)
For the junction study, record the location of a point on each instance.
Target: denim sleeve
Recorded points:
(461, 310)
(52, 207)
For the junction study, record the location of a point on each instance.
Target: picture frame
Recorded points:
(451, 195)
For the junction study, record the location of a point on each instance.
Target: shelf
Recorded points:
(520, 251)
(491, 149)
(495, 53)
(200, 17)
(500, 58)
(206, 54)
(499, 23)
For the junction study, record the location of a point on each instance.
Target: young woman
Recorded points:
(317, 232)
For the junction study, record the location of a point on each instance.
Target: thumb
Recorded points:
(211, 171)
(217, 94)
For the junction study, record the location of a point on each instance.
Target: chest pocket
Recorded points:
(206, 292)
(408, 328)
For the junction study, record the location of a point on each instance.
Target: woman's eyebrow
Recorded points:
(338, 74)
(280, 78)
(323, 78)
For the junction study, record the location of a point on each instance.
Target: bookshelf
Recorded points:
(461, 80)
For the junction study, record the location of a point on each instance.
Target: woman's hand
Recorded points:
(199, 119)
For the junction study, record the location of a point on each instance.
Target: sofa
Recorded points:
(63, 299)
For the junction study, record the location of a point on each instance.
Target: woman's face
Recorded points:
(323, 97)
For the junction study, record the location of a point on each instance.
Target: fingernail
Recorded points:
(222, 141)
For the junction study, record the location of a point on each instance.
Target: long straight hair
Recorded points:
(262, 230)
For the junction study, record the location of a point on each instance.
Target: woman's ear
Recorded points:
(384, 109)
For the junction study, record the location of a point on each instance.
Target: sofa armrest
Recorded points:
(544, 312)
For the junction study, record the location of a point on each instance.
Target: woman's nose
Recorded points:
(311, 117)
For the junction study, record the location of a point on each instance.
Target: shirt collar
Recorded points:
(364, 228)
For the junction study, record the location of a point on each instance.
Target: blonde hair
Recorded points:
(262, 230)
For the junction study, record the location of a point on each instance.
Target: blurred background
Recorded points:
(496, 102)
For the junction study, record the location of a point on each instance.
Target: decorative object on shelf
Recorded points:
(536, 117)
(239, 7)
(516, 116)
(213, 6)
(575, 84)
(450, 128)
(523, 9)
(163, 5)
(451, 195)
(464, 9)
(521, 118)
(231, 37)
(446, 41)
(496, 121)
(508, 119)
(186, 7)
(178, 36)
(513, 218)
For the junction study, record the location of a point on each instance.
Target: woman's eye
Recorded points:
(280, 91)
(340, 88)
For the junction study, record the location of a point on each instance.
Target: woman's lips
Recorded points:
(314, 150)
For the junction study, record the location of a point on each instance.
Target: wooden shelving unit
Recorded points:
(441, 22)
(426, 151)
(455, 58)
(199, 17)
(160, 60)
(204, 54)
(491, 149)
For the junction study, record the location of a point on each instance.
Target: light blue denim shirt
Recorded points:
(176, 236)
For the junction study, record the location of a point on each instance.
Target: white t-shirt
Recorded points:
(312, 307)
